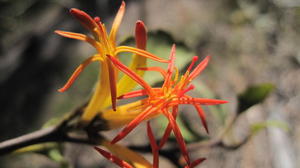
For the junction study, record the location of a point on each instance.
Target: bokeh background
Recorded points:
(252, 42)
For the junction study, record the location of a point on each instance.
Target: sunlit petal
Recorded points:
(117, 22)
(139, 52)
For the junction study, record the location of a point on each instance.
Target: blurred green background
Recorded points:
(254, 46)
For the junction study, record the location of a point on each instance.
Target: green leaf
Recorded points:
(254, 95)
(255, 128)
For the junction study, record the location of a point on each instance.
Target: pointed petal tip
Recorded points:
(206, 128)
(140, 22)
(61, 90)
(195, 163)
(223, 101)
(208, 57)
(74, 11)
(123, 5)
(59, 32)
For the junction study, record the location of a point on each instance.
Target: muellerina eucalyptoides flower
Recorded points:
(126, 158)
(165, 100)
(105, 44)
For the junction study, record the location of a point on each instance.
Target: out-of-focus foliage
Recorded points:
(254, 95)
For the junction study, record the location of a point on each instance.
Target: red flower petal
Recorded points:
(178, 136)
(168, 129)
(157, 69)
(140, 35)
(112, 84)
(154, 146)
(199, 68)
(195, 163)
(195, 58)
(202, 116)
(86, 20)
(129, 127)
(139, 52)
(170, 67)
(113, 158)
(181, 93)
(132, 74)
(77, 72)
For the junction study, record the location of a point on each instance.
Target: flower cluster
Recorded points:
(163, 100)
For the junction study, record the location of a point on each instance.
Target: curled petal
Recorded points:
(132, 74)
(87, 21)
(157, 69)
(137, 93)
(139, 52)
(117, 22)
(78, 70)
(178, 136)
(124, 153)
(81, 37)
(199, 68)
(202, 116)
(140, 35)
(181, 93)
(113, 158)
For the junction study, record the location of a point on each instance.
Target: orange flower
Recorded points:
(105, 44)
(122, 156)
(165, 100)
(126, 158)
